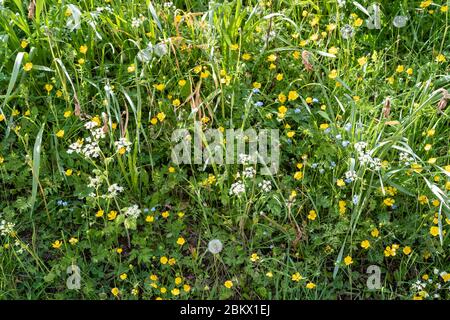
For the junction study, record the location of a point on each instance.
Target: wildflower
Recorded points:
(57, 244)
(333, 74)
(24, 43)
(115, 291)
(131, 68)
(215, 246)
(365, 244)
(181, 241)
(292, 95)
(161, 116)
(269, 274)
(425, 4)
(296, 277)
(99, 213)
(48, 87)
(254, 257)
(123, 276)
(165, 214)
(68, 172)
(28, 66)
(81, 61)
(83, 49)
(400, 69)
(340, 183)
(172, 261)
(119, 250)
(67, 113)
(298, 175)
(389, 202)
(73, 241)
(122, 145)
(237, 188)
(112, 215)
(434, 231)
(440, 58)
(60, 134)
(246, 56)
(342, 206)
(409, 71)
(312, 215)
(422, 199)
(407, 250)
(159, 87)
(310, 285)
(163, 260)
(205, 74)
(228, 284)
(2, 117)
(324, 126)
(186, 288)
(279, 76)
(176, 102)
(362, 61)
(132, 211)
(272, 58)
(348, 260)
(282, 97)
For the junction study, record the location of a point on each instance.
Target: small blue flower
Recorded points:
(345, 143)
(348, 127)
(59, 202)
(394, 206)
(338, 137)
(259, 104)
(315, 100)
(314, 165)
(333, 164)
(321, 170)
(355, 199)
(289, 141)
(153, 209)
(65, 204)
(145, 210)
(348, 180)
(327, 130)
(256, 91)
(297, 110)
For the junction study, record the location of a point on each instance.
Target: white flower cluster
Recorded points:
(265, 185)
(89, 147)
(114, 190)
(245, 158)
(365, 157)
(6, 227)
(137, 22)
(94, 182)
(75, 147)
(237, 188)
(351, 176)
(249, 172)
(122, 143)
(405, 158)
(133, 211)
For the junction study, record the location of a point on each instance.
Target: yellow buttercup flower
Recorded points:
(181, 241)
(228, 284)
(28, 66)
(57, 244)
(83, 49)
(348, 260)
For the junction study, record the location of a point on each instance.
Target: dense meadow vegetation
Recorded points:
(92, 205)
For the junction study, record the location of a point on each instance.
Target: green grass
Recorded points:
(120, 69)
